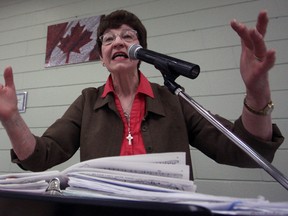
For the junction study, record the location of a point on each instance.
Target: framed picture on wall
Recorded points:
(72, 42)
(22, 101)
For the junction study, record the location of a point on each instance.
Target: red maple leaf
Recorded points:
(54, 34)
(73, 42)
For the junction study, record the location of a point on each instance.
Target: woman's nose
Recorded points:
(118, 40)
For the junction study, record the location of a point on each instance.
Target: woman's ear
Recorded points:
(101, 59)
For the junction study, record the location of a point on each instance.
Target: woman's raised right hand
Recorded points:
(8, 98)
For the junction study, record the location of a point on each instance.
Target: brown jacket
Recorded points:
(170, 125)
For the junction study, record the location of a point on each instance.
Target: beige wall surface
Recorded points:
(194, 30)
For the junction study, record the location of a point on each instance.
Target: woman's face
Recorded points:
(115, 44)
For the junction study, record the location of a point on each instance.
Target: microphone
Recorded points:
(164, 62)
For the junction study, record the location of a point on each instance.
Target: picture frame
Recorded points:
(21, 101)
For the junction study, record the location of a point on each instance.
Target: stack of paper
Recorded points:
(141, 177)
(156, 178)
(150, 177)
(36, 182)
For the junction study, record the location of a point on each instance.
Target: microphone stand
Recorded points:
(169, 81)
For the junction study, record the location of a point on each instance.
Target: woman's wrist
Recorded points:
(265, 110)
(11, 120)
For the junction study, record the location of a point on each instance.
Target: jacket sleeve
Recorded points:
(213, 143)
(58, 143)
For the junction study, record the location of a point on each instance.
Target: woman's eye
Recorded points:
(127, 36)
(108, 38)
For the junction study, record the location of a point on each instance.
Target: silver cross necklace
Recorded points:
(129, 137)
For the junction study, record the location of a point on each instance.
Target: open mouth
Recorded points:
(119, 55)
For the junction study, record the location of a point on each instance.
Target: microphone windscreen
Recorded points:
(132, 51)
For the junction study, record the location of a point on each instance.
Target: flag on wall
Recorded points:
(72, 42)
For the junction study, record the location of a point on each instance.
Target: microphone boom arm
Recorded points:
(169, 81)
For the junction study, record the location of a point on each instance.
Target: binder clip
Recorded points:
(54, 187)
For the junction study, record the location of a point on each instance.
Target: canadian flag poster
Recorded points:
(72, 42)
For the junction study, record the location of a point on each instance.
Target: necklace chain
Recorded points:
(126, 112)
(129, 107)
(129, 137)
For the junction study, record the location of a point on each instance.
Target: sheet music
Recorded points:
(150, 177)
(167, 170)
(159, 181)
(161, 158)
(132, 168)
(32, 182)
(26, 177)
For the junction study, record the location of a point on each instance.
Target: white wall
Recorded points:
(193, 30)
